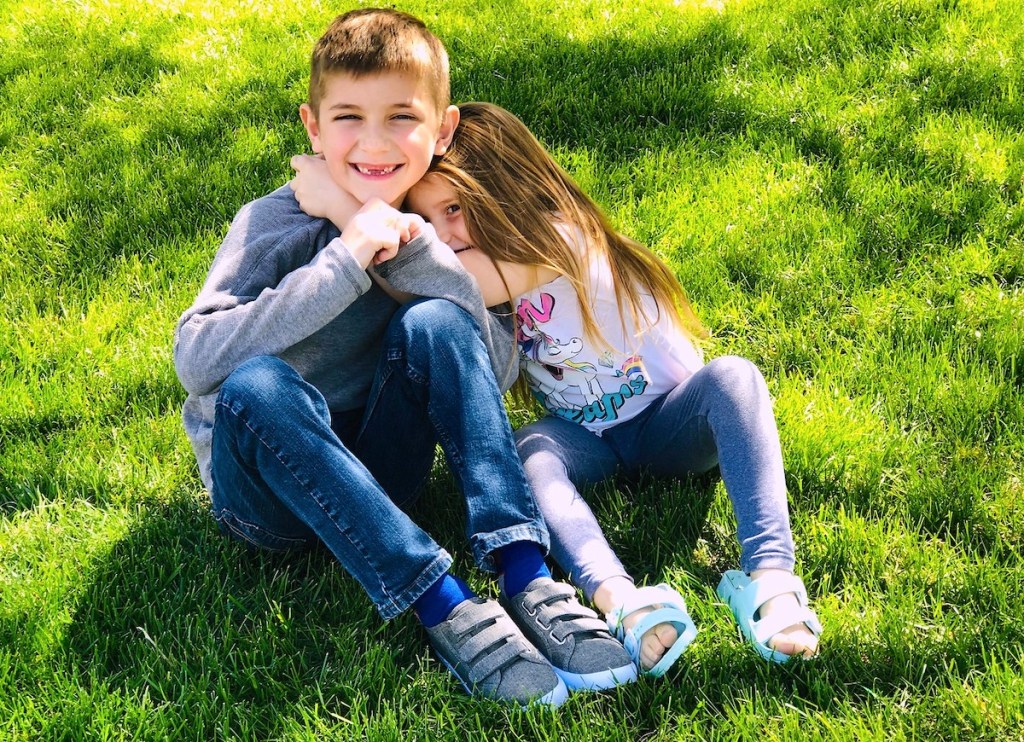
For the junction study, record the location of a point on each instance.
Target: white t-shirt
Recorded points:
(582, 381)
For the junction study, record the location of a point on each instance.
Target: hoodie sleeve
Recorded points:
(278, 277)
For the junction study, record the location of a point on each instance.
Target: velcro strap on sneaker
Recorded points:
(556, 606)
(549, 592)
(474, 645)
(562, 628)
(496, 659)
(471, 622)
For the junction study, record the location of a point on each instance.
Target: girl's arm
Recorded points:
(520, 278)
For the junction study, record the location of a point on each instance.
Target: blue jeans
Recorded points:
(284, 478)
(721, 415)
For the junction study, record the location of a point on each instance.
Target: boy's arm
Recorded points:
(402, 297)
(319, 196)
(268, 289)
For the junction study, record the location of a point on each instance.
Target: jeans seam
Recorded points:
(444, 438)
(312, 491)
(371, 403)
(232, 522)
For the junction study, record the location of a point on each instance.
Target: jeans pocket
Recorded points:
(257, 536)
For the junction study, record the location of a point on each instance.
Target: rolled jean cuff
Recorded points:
(398, 604)
(485, 546)
(768, 561)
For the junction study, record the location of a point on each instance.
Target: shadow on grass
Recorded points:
(613, 94)
(223, 639)
(654, 524)
(56, 433)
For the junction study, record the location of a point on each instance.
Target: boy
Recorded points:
(315, 407)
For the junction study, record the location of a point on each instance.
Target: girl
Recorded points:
(606, 345)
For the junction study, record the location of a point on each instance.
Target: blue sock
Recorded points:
(440, 599)
(520, 563)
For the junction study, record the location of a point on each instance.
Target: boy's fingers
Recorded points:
(385, 254)
(375, 204)
(413, 223)
(300, 161)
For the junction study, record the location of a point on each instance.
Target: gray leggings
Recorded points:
(721, 415)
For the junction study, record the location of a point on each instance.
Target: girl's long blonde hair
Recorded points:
(514, 196)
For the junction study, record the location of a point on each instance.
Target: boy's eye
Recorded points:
(346, 117)
(405, 117)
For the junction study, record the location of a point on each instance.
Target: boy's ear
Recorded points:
(449, 122)
(308, 116)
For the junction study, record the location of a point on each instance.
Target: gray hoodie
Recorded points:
(284, 284)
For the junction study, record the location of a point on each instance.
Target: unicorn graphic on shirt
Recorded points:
(554, 370)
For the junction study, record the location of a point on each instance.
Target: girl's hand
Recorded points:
(377, 230)
(317, 193)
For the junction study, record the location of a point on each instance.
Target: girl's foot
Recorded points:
(796, 639)
(617, 591)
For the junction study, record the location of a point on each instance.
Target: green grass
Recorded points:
(837, 184)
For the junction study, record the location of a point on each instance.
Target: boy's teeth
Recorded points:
(376, 170)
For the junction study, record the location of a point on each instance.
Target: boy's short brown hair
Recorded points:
(368, 41)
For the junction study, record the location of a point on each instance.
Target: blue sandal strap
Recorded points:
(745, 597)
(671, 610)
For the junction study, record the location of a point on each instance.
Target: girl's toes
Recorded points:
(655, 643)
(796, 640)
(649, 657)
(665, 634)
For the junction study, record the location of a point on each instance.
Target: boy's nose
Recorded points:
(373, 140)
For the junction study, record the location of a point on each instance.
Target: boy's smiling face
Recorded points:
(378, 133)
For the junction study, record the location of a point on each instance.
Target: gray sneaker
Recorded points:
(489, 655)
(575, 641)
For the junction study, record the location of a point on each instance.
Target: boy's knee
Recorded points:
(431, 319)
(257, 381)
(432, 314)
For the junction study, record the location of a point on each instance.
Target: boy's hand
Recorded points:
(317, 193)
(377, 230)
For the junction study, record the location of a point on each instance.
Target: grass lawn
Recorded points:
(839, 187)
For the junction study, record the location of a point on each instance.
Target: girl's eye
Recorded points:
(452, 209)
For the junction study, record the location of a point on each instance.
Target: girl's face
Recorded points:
(435, 200)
